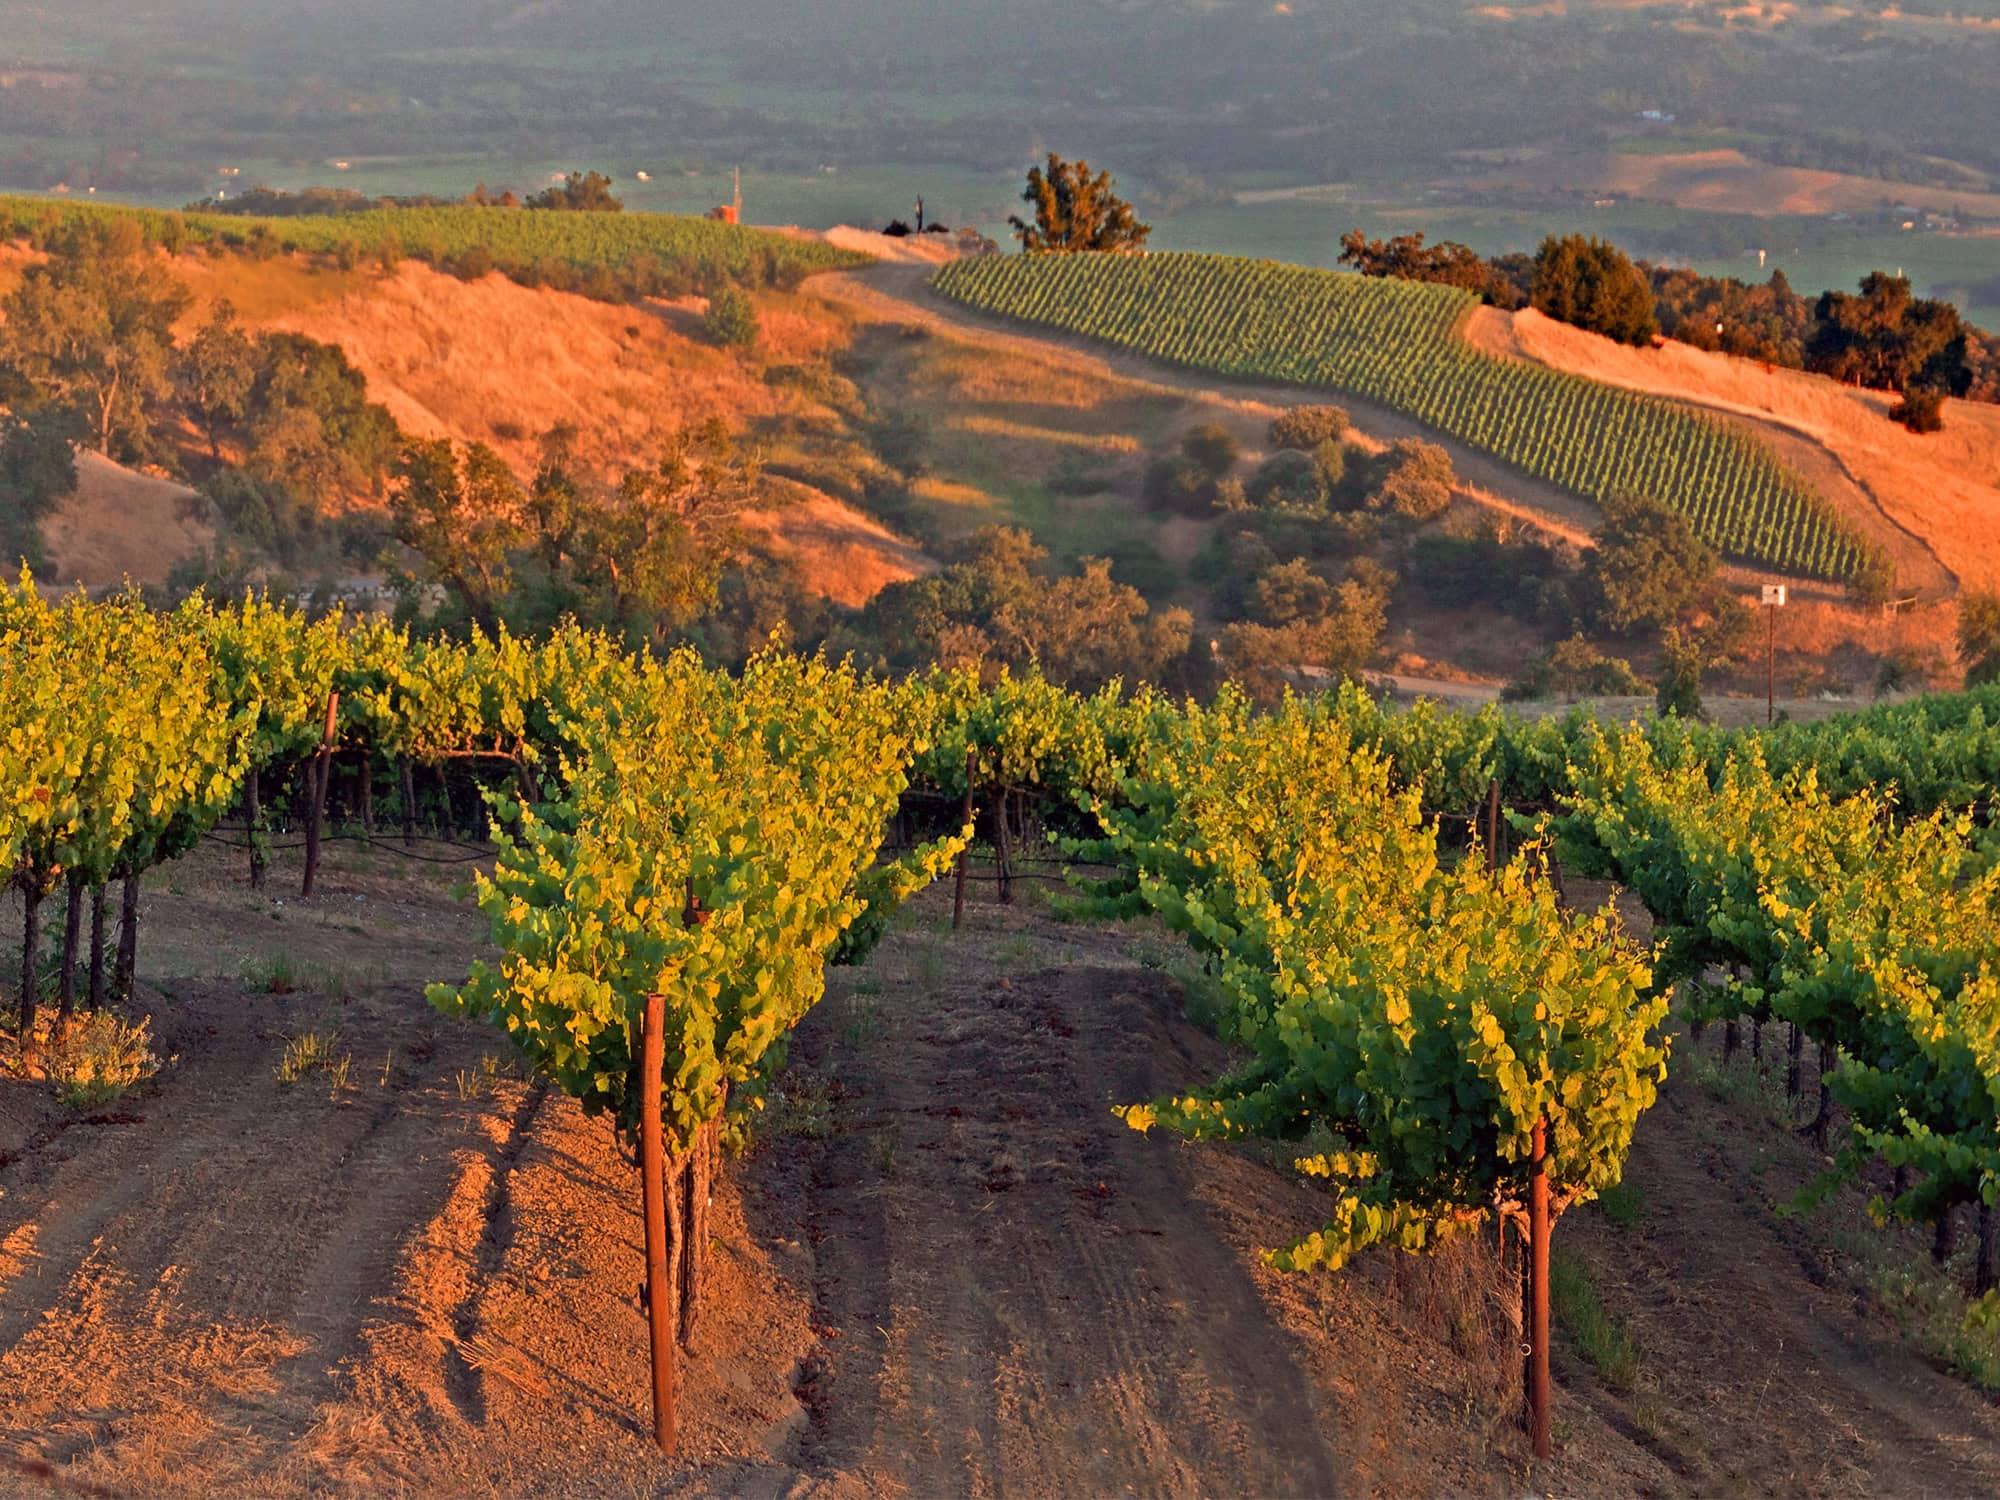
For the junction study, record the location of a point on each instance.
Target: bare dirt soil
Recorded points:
(943, 1268)
(119, 526)
(347, 1284)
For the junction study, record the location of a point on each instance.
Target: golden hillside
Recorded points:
(1933, 501)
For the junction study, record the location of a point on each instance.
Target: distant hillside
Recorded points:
(486, 359)
(1933, 502)
(530, 245)
(1400, 343)
(898, 431)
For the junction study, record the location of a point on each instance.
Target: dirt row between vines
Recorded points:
(944, 1268)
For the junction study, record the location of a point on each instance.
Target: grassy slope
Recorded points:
(1942, 491)
(495, 362)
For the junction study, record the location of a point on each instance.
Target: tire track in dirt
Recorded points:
(68, 1190)
(1021, 1295)
(1864, 1413)
(232, 1242)
(464, 1380)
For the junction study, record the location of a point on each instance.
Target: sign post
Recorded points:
(1773, 601)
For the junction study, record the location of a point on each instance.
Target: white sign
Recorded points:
(1774, 593)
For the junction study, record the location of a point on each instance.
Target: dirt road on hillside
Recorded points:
(905, 290)
(902, 292)
(1832, 434)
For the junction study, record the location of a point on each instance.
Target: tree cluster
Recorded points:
(1648, 568)
(1503, 281)
(1765, 321)
(294, 410)
(1496, 564)
(1194, 480)
(1592, 284)
(1887, 339)
(996, 604)
(91, 330)
(641, 558)
(1883, 337)
(580, 192)
(37, 469)
(1074, 210)
(1302, 623)
(1572, 669)
(87, 354)
(1979, 637)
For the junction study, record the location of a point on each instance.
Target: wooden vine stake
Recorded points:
(652, 1173)
(1823, 1120)
(1492, 823)
(1536, 1318)
(958, 889)
(1003, 848)
(317, 792)
(99, 920)
(125, 968)
(408, 782)
(72, 935)
(253, 818)
(31, 953)
(688, 1192)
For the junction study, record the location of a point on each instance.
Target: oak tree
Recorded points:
(92, 329)
(1075, 209)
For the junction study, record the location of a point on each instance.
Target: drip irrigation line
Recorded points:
(995, 879)
(373, 842)
(428, 838)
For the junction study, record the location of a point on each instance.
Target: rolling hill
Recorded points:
(1933, 502)
(1400, 343)
(896, 422)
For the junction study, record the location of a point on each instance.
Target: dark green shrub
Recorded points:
(1212, 448)
(731, 319)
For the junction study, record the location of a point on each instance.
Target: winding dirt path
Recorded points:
(1934, 508)
(902, 293)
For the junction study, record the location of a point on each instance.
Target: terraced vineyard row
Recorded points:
(1397, 342)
